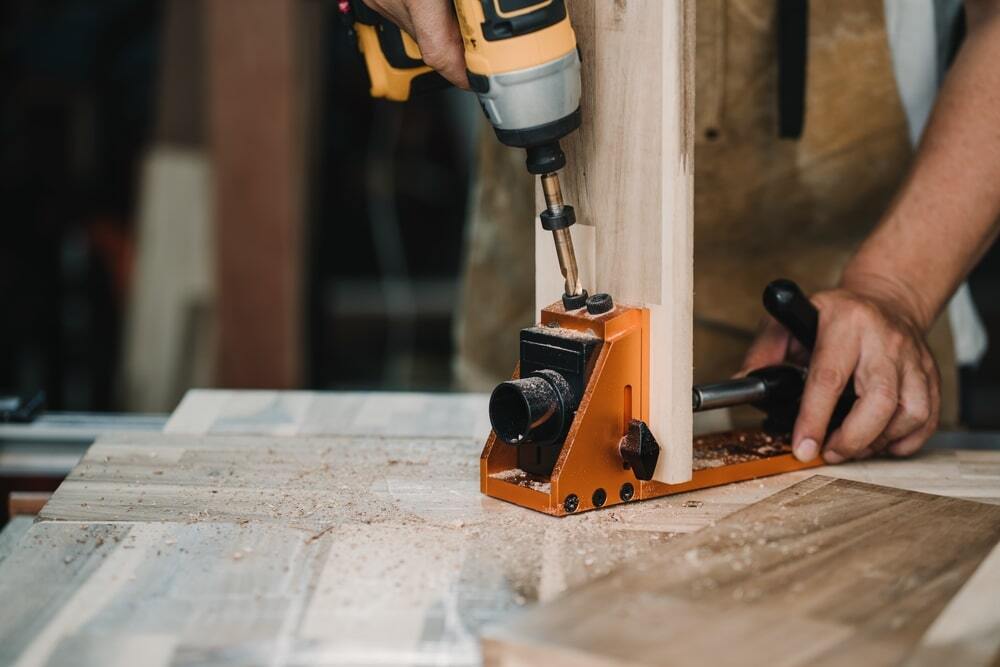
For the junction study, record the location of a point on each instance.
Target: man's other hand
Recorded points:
(872, 340)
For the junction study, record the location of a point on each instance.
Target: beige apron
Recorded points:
(767, 207)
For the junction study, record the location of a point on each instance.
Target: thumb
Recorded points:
(769, 348)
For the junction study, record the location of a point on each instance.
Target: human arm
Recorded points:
(943, 219)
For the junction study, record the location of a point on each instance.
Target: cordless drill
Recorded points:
(523, 64)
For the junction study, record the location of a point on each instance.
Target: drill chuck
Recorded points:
(545, 158)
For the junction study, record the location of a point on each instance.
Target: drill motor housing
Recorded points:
(522, 62)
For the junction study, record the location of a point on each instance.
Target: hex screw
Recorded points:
(599, 498)
(626, 492)
(571, 503)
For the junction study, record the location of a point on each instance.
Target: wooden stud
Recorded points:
(630, 177)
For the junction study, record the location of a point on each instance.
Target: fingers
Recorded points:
(436, 30)
(768, 348)
(909, 444)
(894, 376)
(914, 408)
(877, 385)
(834, 359)
(912, 413)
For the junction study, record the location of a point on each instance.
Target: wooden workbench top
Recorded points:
(301, 528)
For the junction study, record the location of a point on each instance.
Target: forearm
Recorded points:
(946, 214)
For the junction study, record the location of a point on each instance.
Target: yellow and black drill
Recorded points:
(523, 64)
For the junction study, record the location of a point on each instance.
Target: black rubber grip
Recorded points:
(784, 300)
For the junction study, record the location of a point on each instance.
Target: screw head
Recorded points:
(627, 492)
(599, 498)
(571, 503)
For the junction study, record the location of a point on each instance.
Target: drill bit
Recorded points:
(565, 253)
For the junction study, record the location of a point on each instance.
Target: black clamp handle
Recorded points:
(786, 302)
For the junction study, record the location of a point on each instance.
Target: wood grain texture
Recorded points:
(11, 534)
(629, 175)
(216, 546)
(827, 572)
(968, 631)
(285, 550)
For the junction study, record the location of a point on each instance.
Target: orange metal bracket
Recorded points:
(590, 472)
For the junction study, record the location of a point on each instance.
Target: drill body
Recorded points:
(524, 66)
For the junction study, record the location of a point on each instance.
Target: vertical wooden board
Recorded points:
(825, 572)
(255, 123)
(629, 175)
(671, 351)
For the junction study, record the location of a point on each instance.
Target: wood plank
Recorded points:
(214, 593)
(372, 414)
(171, 477)
(406, 503)
(968, 631)
(26, 503)
(376, 514)
(630, 177)
(438, 558)
(72, 557)
(826, 572)
(12, 533)
(255, 130)
(963, 474)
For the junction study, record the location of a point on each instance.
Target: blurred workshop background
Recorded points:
(200, 197)
(194, 196)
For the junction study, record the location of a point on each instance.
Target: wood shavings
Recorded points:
(527, 480)
(721, 449)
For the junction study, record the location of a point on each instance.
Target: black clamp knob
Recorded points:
(600, 303)
(639, 450)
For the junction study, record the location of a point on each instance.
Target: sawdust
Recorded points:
(527, 480)
(721, 449)
(568, 334)
(392, 519)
